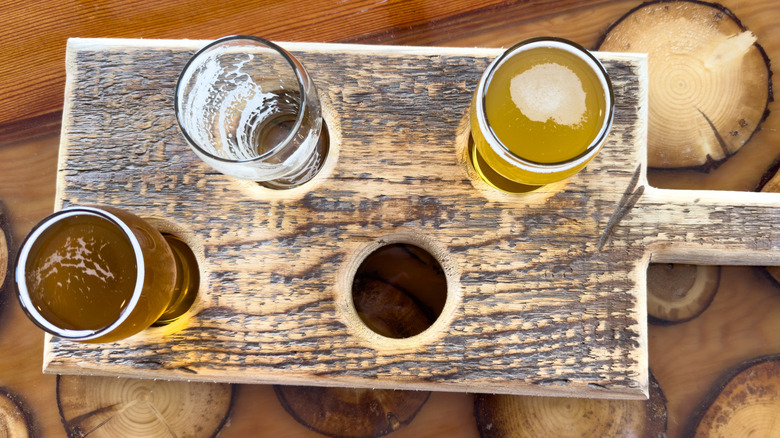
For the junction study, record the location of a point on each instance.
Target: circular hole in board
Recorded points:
(399, 290)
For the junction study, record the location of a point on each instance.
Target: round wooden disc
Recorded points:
(113, 407)
(15, 419)
(710, 82)
(350, 412)
(4, 254)
(744, 402)
(680, 292)
(500, 416)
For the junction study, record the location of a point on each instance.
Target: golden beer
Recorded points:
(540, 113)
(101, 274)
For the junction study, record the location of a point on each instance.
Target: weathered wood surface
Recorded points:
(545, 293)
(741, 323)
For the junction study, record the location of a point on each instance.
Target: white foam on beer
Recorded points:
(549, 92)
(77, 257)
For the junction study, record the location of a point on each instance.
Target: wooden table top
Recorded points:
(742, 322)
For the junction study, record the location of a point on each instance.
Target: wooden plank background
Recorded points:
(33, 74)
(535, 305)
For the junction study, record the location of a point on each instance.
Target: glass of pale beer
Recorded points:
(541, 111)
(249, 109)
(101, 274)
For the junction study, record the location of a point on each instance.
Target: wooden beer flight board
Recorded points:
(546, 291)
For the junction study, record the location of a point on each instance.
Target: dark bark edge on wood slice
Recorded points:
(351, 412)
(6, 256)
(758, 379)
(727, 140)
(16, 420)
(500, 416)
(688, 291)
(105, 406)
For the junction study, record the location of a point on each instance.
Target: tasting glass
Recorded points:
(249, 109)
(495, 161)
(161, 274)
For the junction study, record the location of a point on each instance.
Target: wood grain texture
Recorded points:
(546, 291)
(537, 302)
(33, 77)
(742, 322)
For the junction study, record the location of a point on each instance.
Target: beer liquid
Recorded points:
(81, 272)
(545, 105)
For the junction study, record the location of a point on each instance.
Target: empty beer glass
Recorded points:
(100, 274)
(248, 108)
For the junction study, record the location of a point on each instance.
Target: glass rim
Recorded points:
(20, 279)
(297, 68)
(599, 70)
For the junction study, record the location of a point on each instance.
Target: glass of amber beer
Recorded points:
(100, 274)
(249, 109)
(541, 111)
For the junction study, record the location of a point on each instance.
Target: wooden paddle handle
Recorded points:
(708, 227)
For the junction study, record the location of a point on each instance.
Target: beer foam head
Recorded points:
(549, 92)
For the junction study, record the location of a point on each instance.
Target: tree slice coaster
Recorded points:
(15, 418)
(114, 407)
(678, 292)
(744, 402)
(710, 82)
(546, 292)
(4, 251)
(523, 416)
(351, 412)
(3, 257)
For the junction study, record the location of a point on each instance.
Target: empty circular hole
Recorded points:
(399, 290)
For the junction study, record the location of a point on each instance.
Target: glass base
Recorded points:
(493, 178)
(187, 281)
(310, 170)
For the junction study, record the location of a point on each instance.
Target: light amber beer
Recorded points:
(541, 112)
(100, 274)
